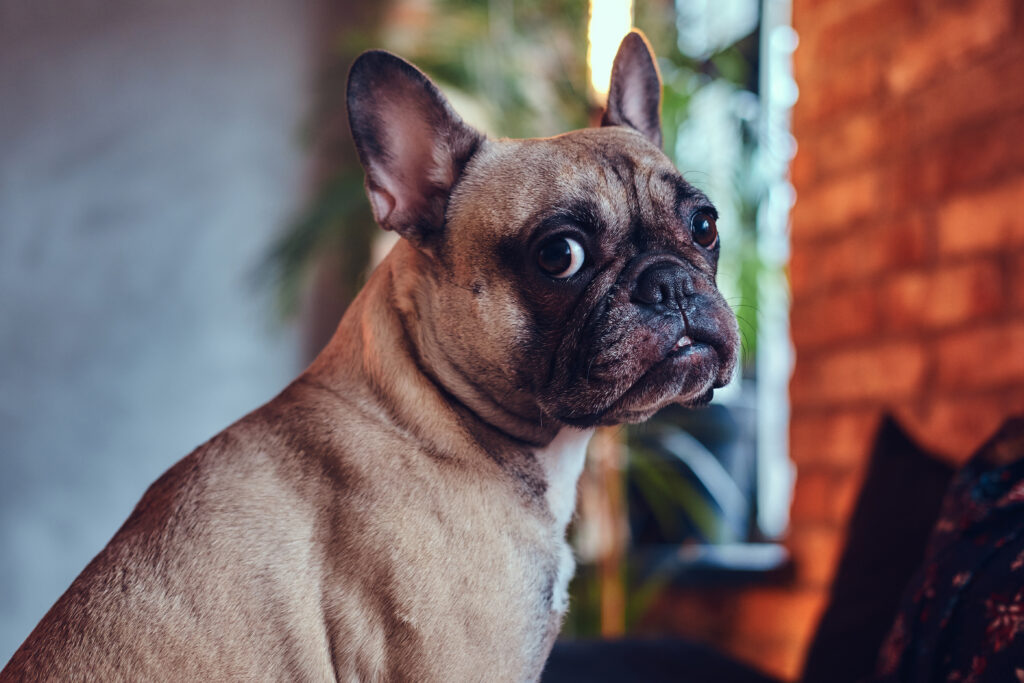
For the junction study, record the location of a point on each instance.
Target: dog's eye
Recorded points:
(704, 230)
(561, 257)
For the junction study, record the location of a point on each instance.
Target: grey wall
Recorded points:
(147, 155)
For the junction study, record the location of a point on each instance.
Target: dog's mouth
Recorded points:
(687, 374)
(624, 360)
(685, 371)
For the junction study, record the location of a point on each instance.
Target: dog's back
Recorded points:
(309, 538)
(214, 561)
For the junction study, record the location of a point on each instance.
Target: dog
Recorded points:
(399, 511)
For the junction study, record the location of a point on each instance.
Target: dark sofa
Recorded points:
(883, 575)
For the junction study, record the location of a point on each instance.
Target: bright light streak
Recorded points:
(610, 20)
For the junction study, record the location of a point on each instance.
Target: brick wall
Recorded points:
(907, 271)
(908, 240)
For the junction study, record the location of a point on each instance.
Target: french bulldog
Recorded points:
(399, 511)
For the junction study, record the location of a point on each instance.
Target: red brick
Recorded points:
(885, 373)
(830, 207)
(802, 170)
(918, 178)
(870, 28)
(826, 12)
(895, 244)
(982, 152)
(823, 497)
(945, 43)
(779, 657)
(985, 220)
(840, 439)
(942, 297)
(807, 272)
(988, 357)
(852, 141)
(777, 613)
(811, 496)
(816, 551)
(834, 317)
(804, 270)
(805, 69)
(972, 157)
(860, 255)
(1017, 280)
(826, 88)
(972, 94)
(953, 427)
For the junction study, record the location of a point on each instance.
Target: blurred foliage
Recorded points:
(513, 69)
(338, 219)
(520, 66)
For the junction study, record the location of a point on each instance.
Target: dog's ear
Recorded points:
(412, 144)
(634, 96)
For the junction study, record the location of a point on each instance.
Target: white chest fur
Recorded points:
(562, 460)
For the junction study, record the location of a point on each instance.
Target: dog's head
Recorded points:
(571, 276)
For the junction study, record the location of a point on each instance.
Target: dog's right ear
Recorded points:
(411, 142)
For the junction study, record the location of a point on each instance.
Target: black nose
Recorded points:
(663, 284)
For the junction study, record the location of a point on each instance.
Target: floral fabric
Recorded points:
(962, 618)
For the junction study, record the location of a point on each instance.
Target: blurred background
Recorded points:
(182, 223)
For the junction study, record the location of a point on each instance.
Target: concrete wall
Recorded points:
(148, 153)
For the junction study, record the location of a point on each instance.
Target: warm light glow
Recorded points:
(610, 20)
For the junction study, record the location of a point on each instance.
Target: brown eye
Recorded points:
(704, 230)
(561, 257)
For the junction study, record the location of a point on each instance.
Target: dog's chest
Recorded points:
(562, 461)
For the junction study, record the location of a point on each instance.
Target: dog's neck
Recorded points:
(386, 348)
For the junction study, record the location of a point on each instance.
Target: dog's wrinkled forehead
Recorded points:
(611, 178)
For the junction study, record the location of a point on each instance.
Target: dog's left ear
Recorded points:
(634, 96)
(411, 142)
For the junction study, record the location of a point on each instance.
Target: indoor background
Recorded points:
(182, 222)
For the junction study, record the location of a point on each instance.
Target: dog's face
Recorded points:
(574, 272)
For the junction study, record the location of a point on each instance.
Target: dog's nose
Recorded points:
(663, 284)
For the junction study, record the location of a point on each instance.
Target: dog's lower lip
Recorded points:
(686, 351)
